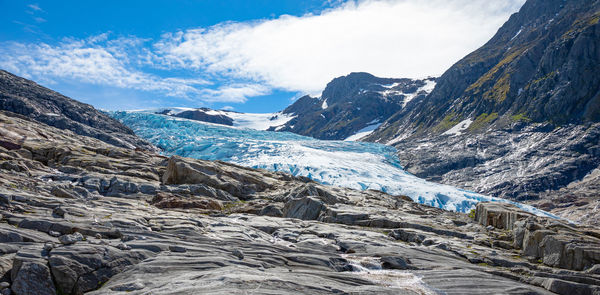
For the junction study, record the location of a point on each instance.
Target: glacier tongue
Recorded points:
(356, 165)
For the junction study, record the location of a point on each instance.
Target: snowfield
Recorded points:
(358, 165)
(256, 121)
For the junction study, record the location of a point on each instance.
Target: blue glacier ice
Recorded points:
(358, 165)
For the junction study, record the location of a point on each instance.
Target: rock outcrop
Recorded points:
(201, 114)
(25, 97)
(552, 242)
(141, 223)
(499, 215)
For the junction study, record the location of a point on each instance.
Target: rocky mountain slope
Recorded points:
(517, 118)
(352, 103)
(79, 216)
(27, 98)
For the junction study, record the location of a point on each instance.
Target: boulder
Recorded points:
(236, 180)
(70, 239)
(30, 273)
(271, 210)
(306, 208)
(33, 278)
(565, 252)
(556, 244)
(395, 262)
(169, 201)
(81, 268)
(406, 236)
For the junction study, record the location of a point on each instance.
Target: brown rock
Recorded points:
(167, 200)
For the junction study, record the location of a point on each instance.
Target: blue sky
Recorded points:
(246, 55)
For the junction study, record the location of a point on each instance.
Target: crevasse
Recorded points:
(358, 165)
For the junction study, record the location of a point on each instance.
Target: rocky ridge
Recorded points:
(27, 98)
(353, 102)
(82, 216)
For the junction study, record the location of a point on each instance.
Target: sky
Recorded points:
(242, 55)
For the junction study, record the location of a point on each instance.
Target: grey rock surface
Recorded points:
(554, 169)
(364, 242)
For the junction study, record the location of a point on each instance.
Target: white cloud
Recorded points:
(410, 38)
(95, 60)
(234, 93)
(35, 7)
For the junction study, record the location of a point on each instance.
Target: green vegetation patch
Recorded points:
(492, 72)
(520, 117)
(500, 90)
(482, 121)
(581, 24)
(448, 122)
(550, 75)
(472, 214)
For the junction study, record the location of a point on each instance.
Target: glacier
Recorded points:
(358, 165)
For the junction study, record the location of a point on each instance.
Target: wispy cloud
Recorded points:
(235, 93)
(35, 7)
(96, 60)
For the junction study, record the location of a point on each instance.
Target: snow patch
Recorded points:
(427, 88)
(459, 128)
(517, 34)
(256, 121)
(324, 105)
(364, 132)
(390, 85)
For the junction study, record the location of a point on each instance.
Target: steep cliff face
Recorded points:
(25, 97)
(352, 103)
(517, 118)
(541, 66)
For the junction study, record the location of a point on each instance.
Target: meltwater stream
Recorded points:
(356, 165)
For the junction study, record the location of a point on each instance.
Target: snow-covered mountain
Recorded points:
(350, 108)
(353, 106)
(358, 165)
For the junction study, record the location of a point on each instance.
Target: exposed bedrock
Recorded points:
(80, 216)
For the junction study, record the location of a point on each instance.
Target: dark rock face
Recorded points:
(201, 114)
(533, 95)
(145, 224)
(25, 97)
(351, 103)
